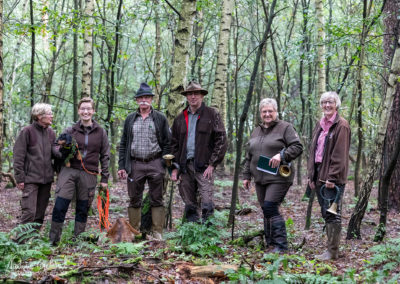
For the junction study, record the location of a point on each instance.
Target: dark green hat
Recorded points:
(144, 90)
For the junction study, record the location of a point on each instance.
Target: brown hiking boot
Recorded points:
(333, 232)
(158, 219)
(135, 216)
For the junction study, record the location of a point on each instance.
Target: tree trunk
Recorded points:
(75, 60)
(384, 189)
(320, 46)
(243, 116)
(181, 58)
(278, 77)
(389, 182)
(219, 94)
(392, 23)
(87, 63)
(353, 230)
(113, 93)
(32, 77)
(198, 36)
(157, 57)
(359, 92)
(1, 88)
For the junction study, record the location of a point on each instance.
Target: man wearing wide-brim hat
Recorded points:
(145, 139)
(199, 144)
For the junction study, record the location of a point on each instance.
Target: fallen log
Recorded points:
(211, 270)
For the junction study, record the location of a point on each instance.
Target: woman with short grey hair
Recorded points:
(33, 170)
(268, 101)
(332, 96)
(328, 166)
(277, 140)
(39, 109)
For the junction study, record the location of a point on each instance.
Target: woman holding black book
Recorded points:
(272, 144)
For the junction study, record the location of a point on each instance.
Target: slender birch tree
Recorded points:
(181, 59)
(219, 96)
(87, 63)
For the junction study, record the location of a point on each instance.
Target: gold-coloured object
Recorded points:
(285, 170)
(333, 208)
(168, 159)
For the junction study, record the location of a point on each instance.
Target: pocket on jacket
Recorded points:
(204, 126)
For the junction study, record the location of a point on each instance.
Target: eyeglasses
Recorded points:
(327, 102)
(85, 108)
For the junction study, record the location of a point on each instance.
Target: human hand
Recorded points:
(21, 186)
(275, 161)
(208, 172)
(122, 174)
(174, 175)
(246, 184)
(329, 184)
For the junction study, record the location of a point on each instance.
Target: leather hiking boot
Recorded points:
(135, 215)
(267, 232)
(278, 234)
(79, 228)
(333, 232)
(158, 220)
(55, 232)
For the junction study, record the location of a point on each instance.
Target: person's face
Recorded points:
(328, 106)
(45, 119)
(86, 112)
(144, 102)
(194, 99)
(268, 114)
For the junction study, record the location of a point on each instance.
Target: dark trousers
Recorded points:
(153, 172)
(34, 201)
(330, 194)
(326, 204)
(193, 183)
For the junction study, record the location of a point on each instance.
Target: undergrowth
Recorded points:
(200, 239)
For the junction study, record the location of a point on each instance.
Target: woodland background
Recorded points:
(240, 50)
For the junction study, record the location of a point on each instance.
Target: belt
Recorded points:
(146, 160)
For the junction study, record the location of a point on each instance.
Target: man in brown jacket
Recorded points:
(199, 145)
(33, 164)
(79, 176)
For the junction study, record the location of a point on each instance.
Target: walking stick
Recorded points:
(168, 161)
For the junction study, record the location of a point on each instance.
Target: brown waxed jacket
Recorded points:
(269, 142)
(33, 154)
(210, 139)
(335, 159)
(94, 148)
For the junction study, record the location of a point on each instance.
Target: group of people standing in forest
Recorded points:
(197, 144)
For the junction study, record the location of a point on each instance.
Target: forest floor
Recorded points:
(153, 261)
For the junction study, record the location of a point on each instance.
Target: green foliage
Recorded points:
(199, 239)
(21, 244)
(123, 248)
